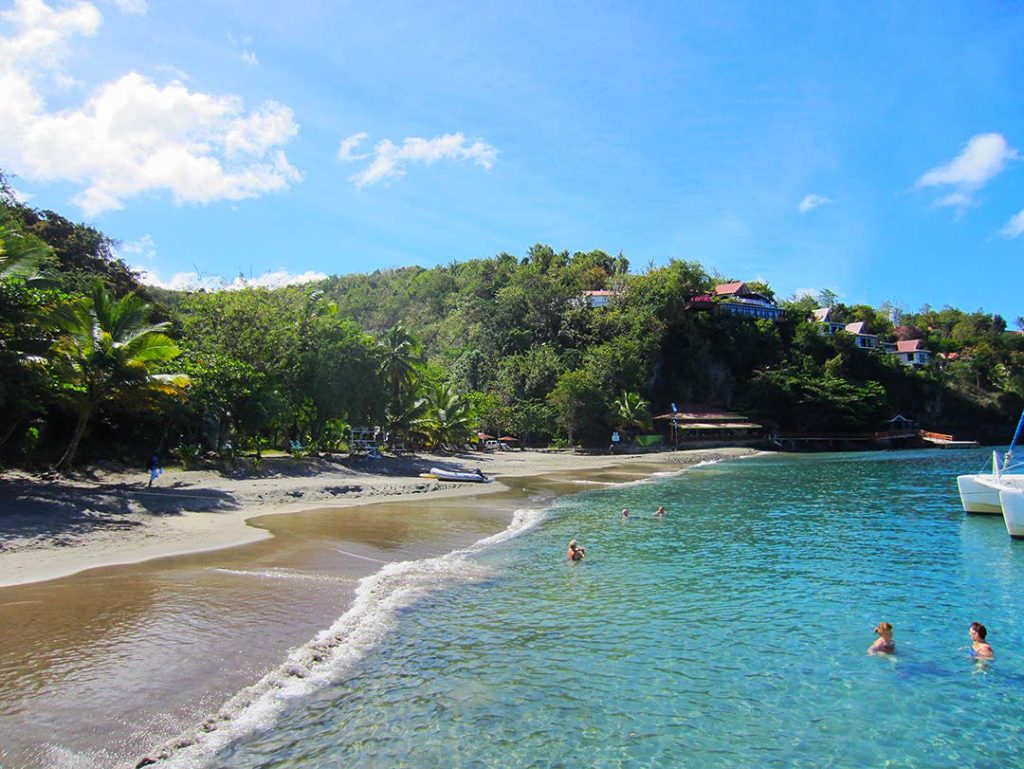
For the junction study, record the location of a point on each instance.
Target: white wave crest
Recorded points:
(333, 652)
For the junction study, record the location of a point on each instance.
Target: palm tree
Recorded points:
(104, 351)
(448, 421)
(20, 256)
(632, 413)
(400, 356)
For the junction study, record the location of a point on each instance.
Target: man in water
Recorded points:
(625, 513)
(576, 552)
(660, 512)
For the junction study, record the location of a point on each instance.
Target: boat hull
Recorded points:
(448, 475)
(979, 494)
(1012, 501)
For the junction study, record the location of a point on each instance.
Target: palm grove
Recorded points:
(94, 365)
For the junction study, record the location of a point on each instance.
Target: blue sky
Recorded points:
(873, 149)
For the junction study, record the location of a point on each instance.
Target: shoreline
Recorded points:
(53, 529)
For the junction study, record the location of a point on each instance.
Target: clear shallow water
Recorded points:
(731, 633)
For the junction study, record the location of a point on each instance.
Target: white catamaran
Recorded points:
(1000, 492)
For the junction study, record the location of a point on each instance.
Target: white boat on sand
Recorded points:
(450, 475)
(984, 492)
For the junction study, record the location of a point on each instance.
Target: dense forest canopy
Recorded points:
(93, 364)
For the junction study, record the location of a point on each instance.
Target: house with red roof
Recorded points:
(737, 298)
(912, 352)
(830, 326)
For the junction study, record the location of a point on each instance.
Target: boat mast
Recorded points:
(1016, 436)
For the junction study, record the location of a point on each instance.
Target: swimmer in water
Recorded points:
(979, 646)
(576, 552)
(884, 643)
(660, 512)
(625, 513)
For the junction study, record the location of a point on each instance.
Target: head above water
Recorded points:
(572, 543)
(884, 629)
(977, 627)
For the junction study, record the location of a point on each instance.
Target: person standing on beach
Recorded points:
(979, 646)
(154, 469)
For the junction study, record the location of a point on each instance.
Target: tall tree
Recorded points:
(105, 351)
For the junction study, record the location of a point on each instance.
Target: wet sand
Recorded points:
(98, 668)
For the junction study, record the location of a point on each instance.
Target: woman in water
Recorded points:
(884, 643)
(660, 512)
(576, 552)
(979, 646)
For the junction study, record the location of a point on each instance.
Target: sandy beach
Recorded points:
(54, 527)
(207, 589)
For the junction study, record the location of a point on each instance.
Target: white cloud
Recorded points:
(249, 59)
(131, 136)
(194, 281)
(810, 202)
(1015, 227)
(389, 160)
(348, 146)
(138, 7)
(982, 158)
(143, 248)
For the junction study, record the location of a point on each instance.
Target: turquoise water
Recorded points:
(731, 633)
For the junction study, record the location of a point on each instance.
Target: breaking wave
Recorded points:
(329, 657)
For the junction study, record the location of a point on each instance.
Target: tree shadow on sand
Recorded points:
(33, 509)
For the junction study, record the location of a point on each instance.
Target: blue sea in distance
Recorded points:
(732, 633)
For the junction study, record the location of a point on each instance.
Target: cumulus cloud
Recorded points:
(1015, 227)
(982, 159)
(810, 202)
(195, 281)
(389, 160)
(131, 136)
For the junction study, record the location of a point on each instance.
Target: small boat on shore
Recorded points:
(451, 475)
(982, 492)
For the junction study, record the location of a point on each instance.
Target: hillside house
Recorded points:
(600, 298)
(831, 327)
(912, 353)
(737, 299)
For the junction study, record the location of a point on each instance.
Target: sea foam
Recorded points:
(331, 655)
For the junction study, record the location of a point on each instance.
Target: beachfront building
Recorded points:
(738, 299)
(701, 423)
(912, 352)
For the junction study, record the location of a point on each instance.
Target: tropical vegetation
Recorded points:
(93, 364)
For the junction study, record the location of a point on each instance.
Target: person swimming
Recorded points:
(576, 552)
(884, 644)
(660, 512)
(625, 513)
(979, 646)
